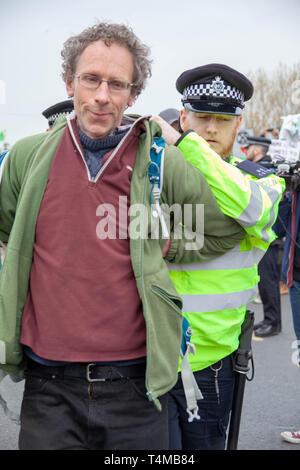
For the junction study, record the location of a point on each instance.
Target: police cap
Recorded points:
(53, 112)
(170, 115)
(214, 88)
(253, 140)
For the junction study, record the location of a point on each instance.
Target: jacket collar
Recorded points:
(143, 127)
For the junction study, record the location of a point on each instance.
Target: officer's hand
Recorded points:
(168, 132)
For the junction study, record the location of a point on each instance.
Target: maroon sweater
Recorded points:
(83, 304)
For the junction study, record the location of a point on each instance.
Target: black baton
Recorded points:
(241, 367)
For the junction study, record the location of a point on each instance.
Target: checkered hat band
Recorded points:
(53, 117)
(206, 89)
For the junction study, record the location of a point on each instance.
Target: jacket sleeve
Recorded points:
(251, 201)
(9, 191)
(200, 230)
(16, 165)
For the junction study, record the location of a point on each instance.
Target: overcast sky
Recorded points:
(244, 34)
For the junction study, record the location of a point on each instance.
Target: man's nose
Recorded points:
(102, 93)
(212, 126)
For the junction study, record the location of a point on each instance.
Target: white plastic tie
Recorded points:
(190, 386)
(193, 414)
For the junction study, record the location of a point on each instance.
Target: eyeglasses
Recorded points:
(115, 85)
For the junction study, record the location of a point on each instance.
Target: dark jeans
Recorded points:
(208, 433)
(60, 413)
(269, 288)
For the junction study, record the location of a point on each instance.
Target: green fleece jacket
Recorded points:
(23, 184)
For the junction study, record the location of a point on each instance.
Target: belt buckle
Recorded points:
(88, 372)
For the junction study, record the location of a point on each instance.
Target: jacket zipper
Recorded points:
(148, 357)
(169, 299)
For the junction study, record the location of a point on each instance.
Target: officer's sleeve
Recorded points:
(253, 203)
(200, 230)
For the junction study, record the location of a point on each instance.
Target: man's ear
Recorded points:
(238, 124)
(131, 100)
(70, 85)
(256, 151)
(182, 119)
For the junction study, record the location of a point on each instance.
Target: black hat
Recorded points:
(214, 88)
(170, 115)
(52, 113)
(253, 140)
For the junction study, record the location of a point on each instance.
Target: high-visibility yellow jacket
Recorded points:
(215, 294)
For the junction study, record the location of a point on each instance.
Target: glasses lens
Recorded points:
(118, 85)
(89, 81)
(92, 81)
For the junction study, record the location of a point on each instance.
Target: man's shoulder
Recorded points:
(24, 148)
(22, 152)
(172, 152)
(30, 141)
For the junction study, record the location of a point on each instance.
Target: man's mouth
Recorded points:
(101, 115)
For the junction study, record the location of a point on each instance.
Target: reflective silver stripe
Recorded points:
(252, 213)
(233, 259)
(258, 253)
(212, 302)
(273, 195)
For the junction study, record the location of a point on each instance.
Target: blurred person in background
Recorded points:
(171, 116)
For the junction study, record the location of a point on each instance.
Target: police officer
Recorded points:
(213, 101)
(215, 294)
(256, 149)
(58, 109)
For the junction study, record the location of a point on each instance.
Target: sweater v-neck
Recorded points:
(95, 149)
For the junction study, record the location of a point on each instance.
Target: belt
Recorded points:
(90, 371)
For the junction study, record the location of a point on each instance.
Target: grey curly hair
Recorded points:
(109, 33)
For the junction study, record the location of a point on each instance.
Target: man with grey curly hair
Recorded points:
(80, 54)
(87, 302)
(109, 33)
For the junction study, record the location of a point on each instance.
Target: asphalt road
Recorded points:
(271, 401)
